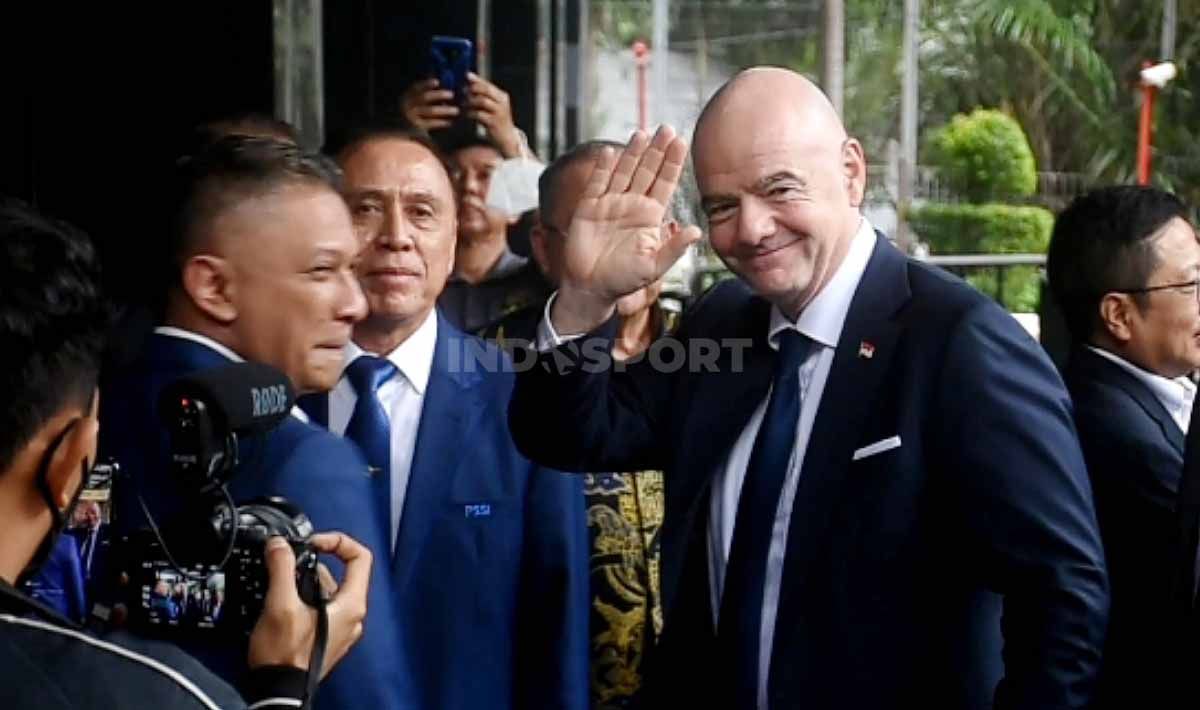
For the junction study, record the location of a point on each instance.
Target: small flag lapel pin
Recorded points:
(866, 350)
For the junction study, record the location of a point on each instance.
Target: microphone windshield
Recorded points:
(247, 397)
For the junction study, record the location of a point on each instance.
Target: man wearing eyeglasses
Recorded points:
(1124, 264)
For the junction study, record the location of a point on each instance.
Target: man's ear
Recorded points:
(1116, 309)
(71, 458)
(453, 243)
(854, 167)
(208, 282)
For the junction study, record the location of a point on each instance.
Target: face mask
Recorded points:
(514, 186)
(60, 517)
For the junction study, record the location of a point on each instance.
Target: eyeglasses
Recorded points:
(1193, 285)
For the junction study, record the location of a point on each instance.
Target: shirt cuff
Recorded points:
(547, 337)
(274, 687)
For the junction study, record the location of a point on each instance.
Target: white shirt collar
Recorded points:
(204, 340)
(413, 357)
(823, 318)
(1176, 395)
(173, 332)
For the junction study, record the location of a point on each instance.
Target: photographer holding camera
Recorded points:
(261, 252)
(52, 324)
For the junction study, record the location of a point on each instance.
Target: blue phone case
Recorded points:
(450, 59)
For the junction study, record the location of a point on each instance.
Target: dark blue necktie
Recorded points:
(88, 549)
(740, 619)
(369, 426)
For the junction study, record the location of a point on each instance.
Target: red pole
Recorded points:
(639, 58)
(1145, 133)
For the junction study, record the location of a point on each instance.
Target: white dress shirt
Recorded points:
(402, 397)
(173, 332)
(822, 321)
(1176, 395)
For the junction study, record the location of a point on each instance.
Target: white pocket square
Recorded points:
(892, 442)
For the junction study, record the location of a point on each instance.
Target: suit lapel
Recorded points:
(1098, 368)
(448, 416)
(723, 403)
(316, 406)
(726, 399)
(851, 394)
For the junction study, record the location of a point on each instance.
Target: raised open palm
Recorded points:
(617, 242)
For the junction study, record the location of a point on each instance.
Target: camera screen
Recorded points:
(171, 599)
(80, 556)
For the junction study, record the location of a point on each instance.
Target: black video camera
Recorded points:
(204, 570)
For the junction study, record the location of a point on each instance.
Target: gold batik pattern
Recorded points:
(625, 512)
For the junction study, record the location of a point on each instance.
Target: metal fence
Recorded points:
(963, 264)
(1054, 189)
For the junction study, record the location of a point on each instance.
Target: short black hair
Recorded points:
(53, 322)
(378, 130)
(230, 170)
(250, 123)
(1102, 243)
(464, 134)
(550, 179)
(389, 129)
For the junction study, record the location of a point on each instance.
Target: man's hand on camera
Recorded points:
(285, 632)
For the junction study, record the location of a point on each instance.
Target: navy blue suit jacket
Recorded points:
(1134, 453)
(59, 584)
(320, 473)
(490, 564)
(898, 565)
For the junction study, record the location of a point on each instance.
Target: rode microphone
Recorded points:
(205, 412)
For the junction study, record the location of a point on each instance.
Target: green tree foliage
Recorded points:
(985, 156)
(990, 229)
(1067, 70)
(983, 229)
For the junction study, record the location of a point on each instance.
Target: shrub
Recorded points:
(982, 229)
(990, 229)
(985, 156)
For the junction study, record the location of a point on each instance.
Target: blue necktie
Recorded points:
(740, 619)
(86, 552)
(369, 426)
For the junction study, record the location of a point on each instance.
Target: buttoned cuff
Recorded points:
(547, 337)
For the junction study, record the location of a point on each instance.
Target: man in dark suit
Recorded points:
(1185, 581)
(489, 559)
(91, 534)
(872, 478)
(65, 581)
(53, 321)
(1124, 265)
(263, 248)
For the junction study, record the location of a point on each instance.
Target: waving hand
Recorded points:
(617, 242)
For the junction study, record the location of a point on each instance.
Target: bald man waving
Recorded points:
(875, 497)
